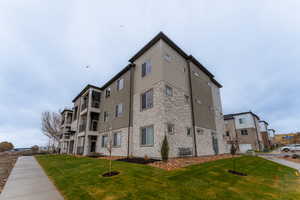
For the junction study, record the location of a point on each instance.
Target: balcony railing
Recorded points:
(84, 106)
(94, 125)
(96, 104)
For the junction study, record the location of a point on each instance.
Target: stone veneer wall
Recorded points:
(177, 112)
(116, 151)
(153, 116)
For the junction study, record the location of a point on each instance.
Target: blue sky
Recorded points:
(252, 47)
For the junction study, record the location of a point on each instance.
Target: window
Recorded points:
(227, 133)
(188, 131)
(104, 141)
(169, 91)
(117, 140)
(119, 110)
(75, 113)
(196, 74)
(198, 101)
(107, 92)
(147, 100)
(120, 84)
(168, 57)
(147, 136)
(170, 128)
(146, 68)
(200, 131)
(105, 116)
(244, 132)
(187, 98)
(241, 120)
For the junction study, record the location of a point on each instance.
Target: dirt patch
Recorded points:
(7, 162)
(176, 163)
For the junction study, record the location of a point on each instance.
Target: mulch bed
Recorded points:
(176, 163)
(138, 160)
(237, 173)
(7, 162)
(109, 174)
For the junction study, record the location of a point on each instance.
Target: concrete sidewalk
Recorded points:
(28, 181)
(284, 162)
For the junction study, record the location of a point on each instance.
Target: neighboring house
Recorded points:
(289, 138)
(244, 128)
(162, 92)
(263, 125)
(67, 136)
(271, 133)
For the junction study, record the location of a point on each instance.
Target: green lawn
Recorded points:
(80, 178)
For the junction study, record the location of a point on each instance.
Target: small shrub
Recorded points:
(295, 156)
(165, 150)
(146, 157)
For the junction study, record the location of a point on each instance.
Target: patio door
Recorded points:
(93, 146)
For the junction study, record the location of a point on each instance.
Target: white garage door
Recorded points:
(245, 147)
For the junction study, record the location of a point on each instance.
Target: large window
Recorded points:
(119, 110)
(170, 128)
(117, 139)
(147, 100)
(244, 132)
(104, 141)
(241, 120)
(169, 91)
(105, 116)
(146, 68)
(188, 131)
(147, 136)
(120, 84)
(107, 92)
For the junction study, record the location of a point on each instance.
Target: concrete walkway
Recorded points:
(28, 181)
(284, 162)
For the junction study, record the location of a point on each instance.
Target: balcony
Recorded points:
(84, 105)
(82, 127)
(96, 104)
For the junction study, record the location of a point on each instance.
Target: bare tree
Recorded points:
(51, 122)
(109, 146)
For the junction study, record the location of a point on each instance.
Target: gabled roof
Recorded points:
(231, 116)
(65, 110)
(118, 75)
(159, 36)
(84, 90)
(162, 36)
(264, 122)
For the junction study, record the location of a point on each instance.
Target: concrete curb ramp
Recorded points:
(28, 181)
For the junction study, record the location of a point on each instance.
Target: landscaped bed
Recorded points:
(7, 162)
(81, 178)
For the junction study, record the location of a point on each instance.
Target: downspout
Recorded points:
(192, 107)
(130, 108)
(256, 133)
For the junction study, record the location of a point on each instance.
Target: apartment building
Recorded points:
(263, 125)
(244, 127)
(67, 136)
(162, 92)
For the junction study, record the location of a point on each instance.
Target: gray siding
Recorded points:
(109, 105)
(203, 99)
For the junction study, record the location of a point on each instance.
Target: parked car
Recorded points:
(291, 147)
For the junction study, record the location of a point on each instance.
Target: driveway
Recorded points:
(28, 181)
